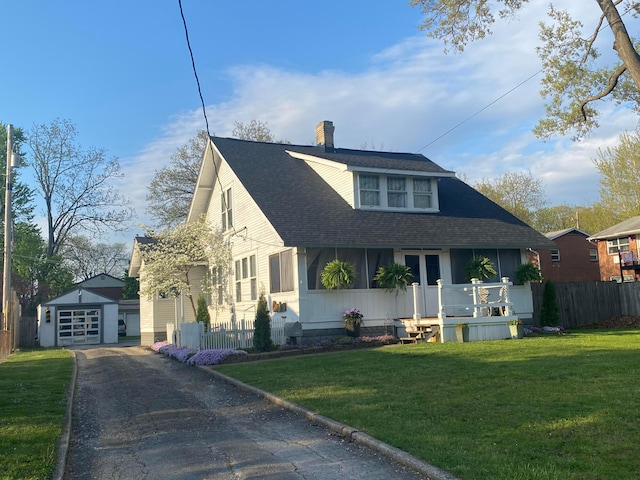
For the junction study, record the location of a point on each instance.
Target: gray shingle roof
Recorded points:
(630, 226)
(306, 211)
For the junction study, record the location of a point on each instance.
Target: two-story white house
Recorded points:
(287, 210)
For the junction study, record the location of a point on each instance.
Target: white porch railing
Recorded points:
(225, 335)
(485, 307)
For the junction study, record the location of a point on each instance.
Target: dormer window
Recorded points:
(370, 190)
(395, 192)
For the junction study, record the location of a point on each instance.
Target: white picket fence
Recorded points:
(225, 335)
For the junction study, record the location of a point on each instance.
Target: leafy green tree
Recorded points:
(36, 277)
(22, 194)
(576, 76)
(262, 334)
(131, 289)
(202, 313)
(519, 193)
(171, 189)
(76, 185)
(597, 217)
(173, 260)
(618, 167)
(549, 313)
(559, 217)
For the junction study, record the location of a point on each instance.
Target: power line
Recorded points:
(204, 108)
(480, 111)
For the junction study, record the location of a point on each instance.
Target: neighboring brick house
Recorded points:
(618, 251)
(574, 259)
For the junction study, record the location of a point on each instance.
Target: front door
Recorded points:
(425, 268)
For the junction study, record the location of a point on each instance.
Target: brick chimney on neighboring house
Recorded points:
(324, 135)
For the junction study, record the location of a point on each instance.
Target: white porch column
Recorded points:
(474, 290)
(416, 301)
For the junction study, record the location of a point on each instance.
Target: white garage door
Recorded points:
(78, 326)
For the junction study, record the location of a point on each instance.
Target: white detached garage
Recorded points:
(76, 318)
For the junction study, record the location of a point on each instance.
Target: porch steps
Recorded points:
(423, 333)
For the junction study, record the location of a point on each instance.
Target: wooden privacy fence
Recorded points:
(226, 335)
(585, 303)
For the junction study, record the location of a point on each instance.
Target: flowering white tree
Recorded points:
(173, 261)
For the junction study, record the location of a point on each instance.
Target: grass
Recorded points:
(541, 408)
(33, 387)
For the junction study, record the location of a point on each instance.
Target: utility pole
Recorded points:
(6, 278)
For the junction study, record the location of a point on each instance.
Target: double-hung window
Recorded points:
(422, 197)
(226, 211)
(397, 192)
(369, 190)
(246, 273)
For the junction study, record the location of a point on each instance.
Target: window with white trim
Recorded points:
(618, 244)
(281, 272)
(369, 190)
(253, 277)
(396, 192)
(238, 281)
(226, 212)
(593, 255)
(422, 195)
(246, 273)
(555, 255)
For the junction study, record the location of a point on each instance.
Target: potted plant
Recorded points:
(462, 332)
(393, 278)
(337, 274)
(479, 267)
(352, 320)
(528, 272)
(516, 328)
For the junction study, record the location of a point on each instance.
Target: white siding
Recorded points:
(252, 234)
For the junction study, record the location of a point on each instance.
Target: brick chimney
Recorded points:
(324, 134)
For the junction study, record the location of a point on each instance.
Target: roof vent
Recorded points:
(324, 134)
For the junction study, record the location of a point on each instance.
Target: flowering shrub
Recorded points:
(158, 345)
(213, 357)
(179, 353)
(381, 338)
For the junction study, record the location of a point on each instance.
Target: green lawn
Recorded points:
(33, 387)
(552, 407)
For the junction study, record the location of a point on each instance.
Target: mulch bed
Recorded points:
(307, 350)
(619, 321)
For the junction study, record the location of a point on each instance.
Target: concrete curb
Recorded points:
(65, 436)
(345, 431)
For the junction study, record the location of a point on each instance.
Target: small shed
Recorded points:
(78, 317)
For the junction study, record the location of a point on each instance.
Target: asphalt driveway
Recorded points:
(140, 415)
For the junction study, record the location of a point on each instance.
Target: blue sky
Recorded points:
(121, 71)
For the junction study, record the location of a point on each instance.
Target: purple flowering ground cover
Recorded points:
(219, 356)
(186, 355)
